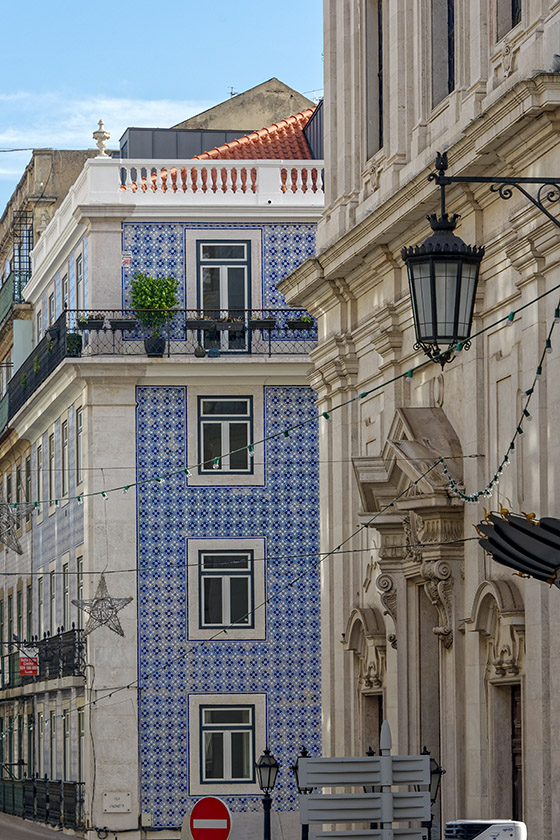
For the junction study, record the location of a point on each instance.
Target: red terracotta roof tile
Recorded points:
(284, 140)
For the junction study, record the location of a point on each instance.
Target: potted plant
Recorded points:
(73, 344)
(230, 323)
(91, 322)
(154, 300)
(265, 322)
(200, 322)
(127, 322)
(304, 322)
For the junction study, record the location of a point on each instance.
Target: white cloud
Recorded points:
(56, 122)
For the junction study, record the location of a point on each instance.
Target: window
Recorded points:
(227, 743)
(18, 485)
(64, 290)
(30, 750)
(508, 14)
(29, 613)
(52, 464)
(52, 602)
(52, 743)
(65, 744)
(225, 432)
(40, 473)
(79, 283)
(40, 742)
(224, 289)
(10, 621)
(40, 606)
(9, 494)
(52, 316)
(81, 739)
(80, 589)
(65, 597)
(79, 444)
(226, 588)
(39, 326)
(443, 49)
(19, 615)
(28, 486)
(64, 436)
(374, 76)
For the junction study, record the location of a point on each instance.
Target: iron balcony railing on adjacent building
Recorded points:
(200, 333)
(54, 802)
(62, 655)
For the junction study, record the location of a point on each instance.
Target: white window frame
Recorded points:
(225, 731)
(225, 423)
(64, 458)
(79, 444)
(226, 575)
(256, 548)
(66, 595)
(51, 454)
(80, 299)
(198, 786)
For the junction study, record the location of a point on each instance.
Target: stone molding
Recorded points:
(365, 637)
(499, 616)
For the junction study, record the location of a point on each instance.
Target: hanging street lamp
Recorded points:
(443, 276)
(443, 271)
(267, 770)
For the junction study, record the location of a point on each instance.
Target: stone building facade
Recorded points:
(419, 625)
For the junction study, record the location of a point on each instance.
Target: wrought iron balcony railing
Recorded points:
(63, 655)
(56, 802)
(199, 333)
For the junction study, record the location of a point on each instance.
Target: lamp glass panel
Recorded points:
(468, 287)
(446, 286)
(422, 298)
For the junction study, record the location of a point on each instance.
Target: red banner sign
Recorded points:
(29, 662)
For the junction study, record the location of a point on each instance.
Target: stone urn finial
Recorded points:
(101, 136)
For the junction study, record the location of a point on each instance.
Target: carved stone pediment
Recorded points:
(499, 616)
(365, 636)
(418, 437)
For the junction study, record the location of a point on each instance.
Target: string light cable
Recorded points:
(525, 416)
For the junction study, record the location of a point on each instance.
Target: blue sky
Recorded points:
(64, 65)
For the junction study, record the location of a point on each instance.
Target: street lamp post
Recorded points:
(267, 770)
(371, 788)
(302, 790)
(443, 271)
(436, 772)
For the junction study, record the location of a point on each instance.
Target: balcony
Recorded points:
(63, 655)
(199, 334)
(12, 292)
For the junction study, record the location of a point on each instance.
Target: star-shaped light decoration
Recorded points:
(102, 609)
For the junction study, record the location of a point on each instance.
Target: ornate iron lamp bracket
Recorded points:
(548, 188)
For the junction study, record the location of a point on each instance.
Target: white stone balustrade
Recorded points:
(139, 189)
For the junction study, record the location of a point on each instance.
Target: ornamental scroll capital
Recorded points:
(388, 592)
(438, 586)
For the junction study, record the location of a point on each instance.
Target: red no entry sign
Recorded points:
(210, 819)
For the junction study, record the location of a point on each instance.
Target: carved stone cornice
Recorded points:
(387, 332)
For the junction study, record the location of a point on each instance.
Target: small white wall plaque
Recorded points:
(117, 802)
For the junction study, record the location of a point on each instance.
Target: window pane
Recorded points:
(236, 289)
(225, 561)
(239, 600)
(213, 600)
(225, 407)
(210, 288)
(240, 755)
(223, 252)
(226, 716)
(212, 443)
(238, 440)
(213, 755)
